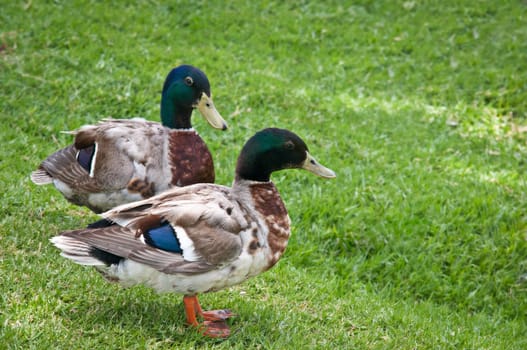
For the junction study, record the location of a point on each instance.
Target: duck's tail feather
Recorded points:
(80, 252)
(41, 177)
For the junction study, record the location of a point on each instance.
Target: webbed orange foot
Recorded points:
(217, 315)
(214, 324)
(215, 329)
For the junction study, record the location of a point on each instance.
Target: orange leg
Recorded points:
(214, 325)
(190, 310)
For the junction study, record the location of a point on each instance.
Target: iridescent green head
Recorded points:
(275, 149)
(185, 88)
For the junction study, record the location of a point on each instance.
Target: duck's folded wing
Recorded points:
(105, 156)
(63, 166)
(85, 246)
(124, 148)
(205, 220)
(136, 137)
(186, 207)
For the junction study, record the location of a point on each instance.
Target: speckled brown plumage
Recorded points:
(192, 163)
(268, 203)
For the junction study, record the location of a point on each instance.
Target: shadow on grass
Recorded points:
(141, 313)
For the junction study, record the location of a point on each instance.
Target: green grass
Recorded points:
(420, 108)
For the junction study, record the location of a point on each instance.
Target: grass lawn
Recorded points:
(419, 107)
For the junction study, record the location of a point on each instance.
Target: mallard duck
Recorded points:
(119, 161)
(200, 238)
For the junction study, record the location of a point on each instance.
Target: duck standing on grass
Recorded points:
(119, 161)
(200, 238)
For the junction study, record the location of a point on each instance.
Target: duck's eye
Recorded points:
(289, 145)
(189, 81)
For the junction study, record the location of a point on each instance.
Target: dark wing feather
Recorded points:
(62, 165)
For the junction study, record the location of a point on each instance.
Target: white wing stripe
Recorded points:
(187, 246)
(92, 165)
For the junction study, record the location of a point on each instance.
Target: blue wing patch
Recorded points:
(85, 157)
(163, 237)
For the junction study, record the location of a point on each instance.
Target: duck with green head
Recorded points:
(200, 238)
(118, 161)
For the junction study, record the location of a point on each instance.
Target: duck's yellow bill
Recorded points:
(208, 111)
(311, 164)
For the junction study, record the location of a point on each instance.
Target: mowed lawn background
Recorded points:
(419, 107)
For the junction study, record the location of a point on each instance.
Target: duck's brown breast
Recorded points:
(189, 158)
